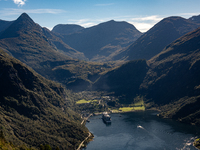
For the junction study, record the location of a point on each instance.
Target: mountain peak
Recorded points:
(25, 20)
(24, 15)
(195, 19)
(23, 23)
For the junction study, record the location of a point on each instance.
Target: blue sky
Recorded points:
(143, 14)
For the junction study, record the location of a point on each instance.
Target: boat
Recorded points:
(106, 118)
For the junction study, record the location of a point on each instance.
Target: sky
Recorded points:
(143, 14)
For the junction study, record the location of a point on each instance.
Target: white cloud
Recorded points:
(188, 15)
(19, 2)
(83, 22)
(12, 11)
(148, 18)
(142, 27)
(143, 24)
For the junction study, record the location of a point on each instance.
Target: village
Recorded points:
(95, 103)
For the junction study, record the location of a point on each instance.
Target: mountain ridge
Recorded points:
(66, 28)
(98, 41)
(154, 40)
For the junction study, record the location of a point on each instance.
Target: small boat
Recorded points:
(106, 118)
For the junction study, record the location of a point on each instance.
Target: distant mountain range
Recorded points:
(154, 40)
(47, 54)
(195, 19)
(100, 41)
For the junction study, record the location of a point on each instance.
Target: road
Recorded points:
(89, 134)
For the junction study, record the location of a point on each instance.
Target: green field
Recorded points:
(126, 109)
(83, 101)
(138, 106)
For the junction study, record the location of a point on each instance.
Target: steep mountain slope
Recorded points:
(174, 78)
(124, 81)
(4, 24)
(153, 41)
(61, 46)
(27, 41)
(99, 41)
(33, 110)
(174, 72)
(67, 28)
(38, 48)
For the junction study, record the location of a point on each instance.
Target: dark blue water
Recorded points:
(141, 131)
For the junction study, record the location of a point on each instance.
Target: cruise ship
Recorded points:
(106, 118)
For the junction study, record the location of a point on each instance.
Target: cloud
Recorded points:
(19, 2)
(83, 22)
(186, 15)
(12, 11)
(144, 23)
(148, 18)
(143, 27)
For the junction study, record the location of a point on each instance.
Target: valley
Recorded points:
(51, 80)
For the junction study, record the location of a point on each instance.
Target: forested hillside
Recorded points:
(34, 111)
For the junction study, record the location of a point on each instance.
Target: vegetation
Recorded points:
(124, 82)
(83, 101)
(157, 38)
(126, 109)
(32, 105)
(197, 143)
(5, 145)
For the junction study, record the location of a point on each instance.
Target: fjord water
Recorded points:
(141, 131)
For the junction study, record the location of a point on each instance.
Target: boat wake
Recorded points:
(139, 126)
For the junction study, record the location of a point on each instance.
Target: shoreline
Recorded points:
(121, 112)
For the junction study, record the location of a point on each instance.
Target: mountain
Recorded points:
(67, 28)
(34, 110)
(174, 72)
(169, 81)
(195, 19)
(174, 79)
(124, 81)
(33, 45)
(100, 41)
(25, 35)
(154, 40)
(4, 24)
(47, 54)
(61, 46)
